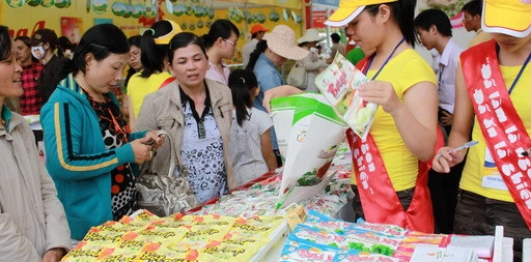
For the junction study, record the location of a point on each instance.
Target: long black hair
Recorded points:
(220, 28)
(101, 41)
(403, 13)
(261, 46)
(152, 55)
(5, 43)
(241, 83)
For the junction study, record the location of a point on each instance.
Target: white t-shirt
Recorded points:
(245, 147)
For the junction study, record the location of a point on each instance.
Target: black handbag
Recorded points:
(165, 194)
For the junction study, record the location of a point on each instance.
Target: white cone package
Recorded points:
(308, 133)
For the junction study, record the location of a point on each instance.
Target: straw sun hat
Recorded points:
(311, 35)
(511, 17)
(281, 40)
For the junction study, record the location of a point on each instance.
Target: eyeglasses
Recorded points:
(230, 42)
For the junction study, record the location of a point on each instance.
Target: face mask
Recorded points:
(314, 50)
(37, 52)
(68, 54)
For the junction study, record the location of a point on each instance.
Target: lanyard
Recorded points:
(520, 73)
(386, 60)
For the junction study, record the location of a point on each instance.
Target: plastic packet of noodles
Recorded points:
(339, 83)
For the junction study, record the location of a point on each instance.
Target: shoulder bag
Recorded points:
(165, 194)
(298, 77)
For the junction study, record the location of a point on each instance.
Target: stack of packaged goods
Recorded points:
(262, 198)
(147, 237)
(322, 238)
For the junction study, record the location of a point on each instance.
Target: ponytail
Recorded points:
(152, 55)
(241, 83)
(403, 13)
(261, 46)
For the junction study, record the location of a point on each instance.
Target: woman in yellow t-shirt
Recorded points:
(153, 46)
(492, 97)
(404, 130)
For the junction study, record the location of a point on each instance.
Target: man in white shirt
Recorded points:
(257, 32)
(435, 32)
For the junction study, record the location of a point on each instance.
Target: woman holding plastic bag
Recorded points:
(390, 169)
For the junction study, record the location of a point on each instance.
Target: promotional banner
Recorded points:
(73, 18)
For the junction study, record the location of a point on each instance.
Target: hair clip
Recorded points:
(98, 46)
(150, 30)
(243, 79)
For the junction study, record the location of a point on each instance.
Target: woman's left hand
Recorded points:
(154, 139)
(54, 255)
(381, 93)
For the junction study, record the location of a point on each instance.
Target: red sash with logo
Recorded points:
(502, 128)
(378, 197)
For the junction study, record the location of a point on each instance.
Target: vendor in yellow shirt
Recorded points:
(492, 105)
(153, 46)
(390, 169)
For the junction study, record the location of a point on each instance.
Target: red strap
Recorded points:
(504, 132)
(167, 82)
(378, 197)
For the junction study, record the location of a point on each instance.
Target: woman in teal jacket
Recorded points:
(88, 148)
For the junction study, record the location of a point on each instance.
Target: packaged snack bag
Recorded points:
(223, 251)
(339, 83)
(199, 236)
(353, 256)
(84, 252)
(314, 135)
(156, 252)
(161, 235)
(304, 251)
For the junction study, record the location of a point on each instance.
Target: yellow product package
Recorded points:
(156, 252)
(198, 236)
(97, 235)
(231, 250)
(84, 252)
(114, 226)
(164, 236)
(261, 226)
(144, 218)
(214, 220)
(118, 255)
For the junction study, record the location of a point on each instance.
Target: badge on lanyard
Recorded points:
(491, 176)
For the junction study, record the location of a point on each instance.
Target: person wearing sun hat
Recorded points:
(312, 63)
(257, 33)
(270, 53)
(404, 134)
(492, 91)
(154, 75)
